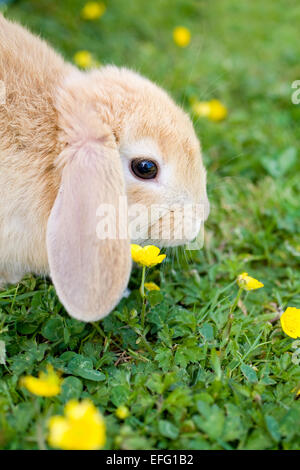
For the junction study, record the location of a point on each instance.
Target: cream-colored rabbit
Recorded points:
(71, 142)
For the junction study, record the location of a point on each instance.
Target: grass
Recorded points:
(188, 389)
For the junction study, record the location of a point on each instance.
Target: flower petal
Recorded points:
(290, 322)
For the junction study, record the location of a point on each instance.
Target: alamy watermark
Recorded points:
(175, 224)
(296, 94)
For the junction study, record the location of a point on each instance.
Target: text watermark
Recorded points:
(165, 225)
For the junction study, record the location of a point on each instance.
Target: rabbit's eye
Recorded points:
(146, 169)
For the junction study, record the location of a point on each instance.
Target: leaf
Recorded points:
(83, 367)
(75, 327)
(23, 415)
(233, 429)
(273, 427)
(258, 441)
(249, 373)
(119, 395)
(267, 381)
(216, 365)
(188, 351)
(203, 408)
(287, 159)
(25, 361)
(158, 315)
(71, 389)
(36, 302)
(289, 424)
(177, 400)
(53, 329)
(67, 356)
(168, 429)
(26, 328)
(206, 397)
(211, 421)
(207, 332)
(2, 353)
(164, 358)
(154, 297)
(67, 335)
(155, 383)
(280, 164)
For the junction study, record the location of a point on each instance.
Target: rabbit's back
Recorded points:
(30, 71)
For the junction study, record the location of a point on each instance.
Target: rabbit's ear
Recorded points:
(89, 273)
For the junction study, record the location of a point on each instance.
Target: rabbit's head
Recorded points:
(131, 171)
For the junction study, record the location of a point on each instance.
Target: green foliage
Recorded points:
(185, 387)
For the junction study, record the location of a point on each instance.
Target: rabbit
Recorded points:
(71, 141)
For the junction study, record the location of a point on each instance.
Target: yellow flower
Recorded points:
(181, 36)
(201, 108)
(151, 286)
(146, 256)
(84, 59)
(248, 283)
(218, 111)
(213, 109)
(290, 322)
(81, 428)
(122, 412)
(48, 384)
(93, 10)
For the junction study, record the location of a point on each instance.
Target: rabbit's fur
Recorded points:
(66, 141)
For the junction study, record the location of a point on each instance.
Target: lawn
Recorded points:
(196, 385)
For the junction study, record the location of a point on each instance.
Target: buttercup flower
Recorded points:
(181, 36)
(48, 384)
(290, 322)
(248, 283)
(201, 108)
(213, 110)
(93, 10)
(83, 59)
(122, 412)
(81, 428)
(151, 286)
(146, 256)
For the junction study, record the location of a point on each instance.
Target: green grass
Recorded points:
(192, 391)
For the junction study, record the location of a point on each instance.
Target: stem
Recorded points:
(142, 291)
(40, 436)
(142, 288)
(227, 329)
(146, 345)
(138, 356)
(143, 312)
(234, 305)
(99, 330)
